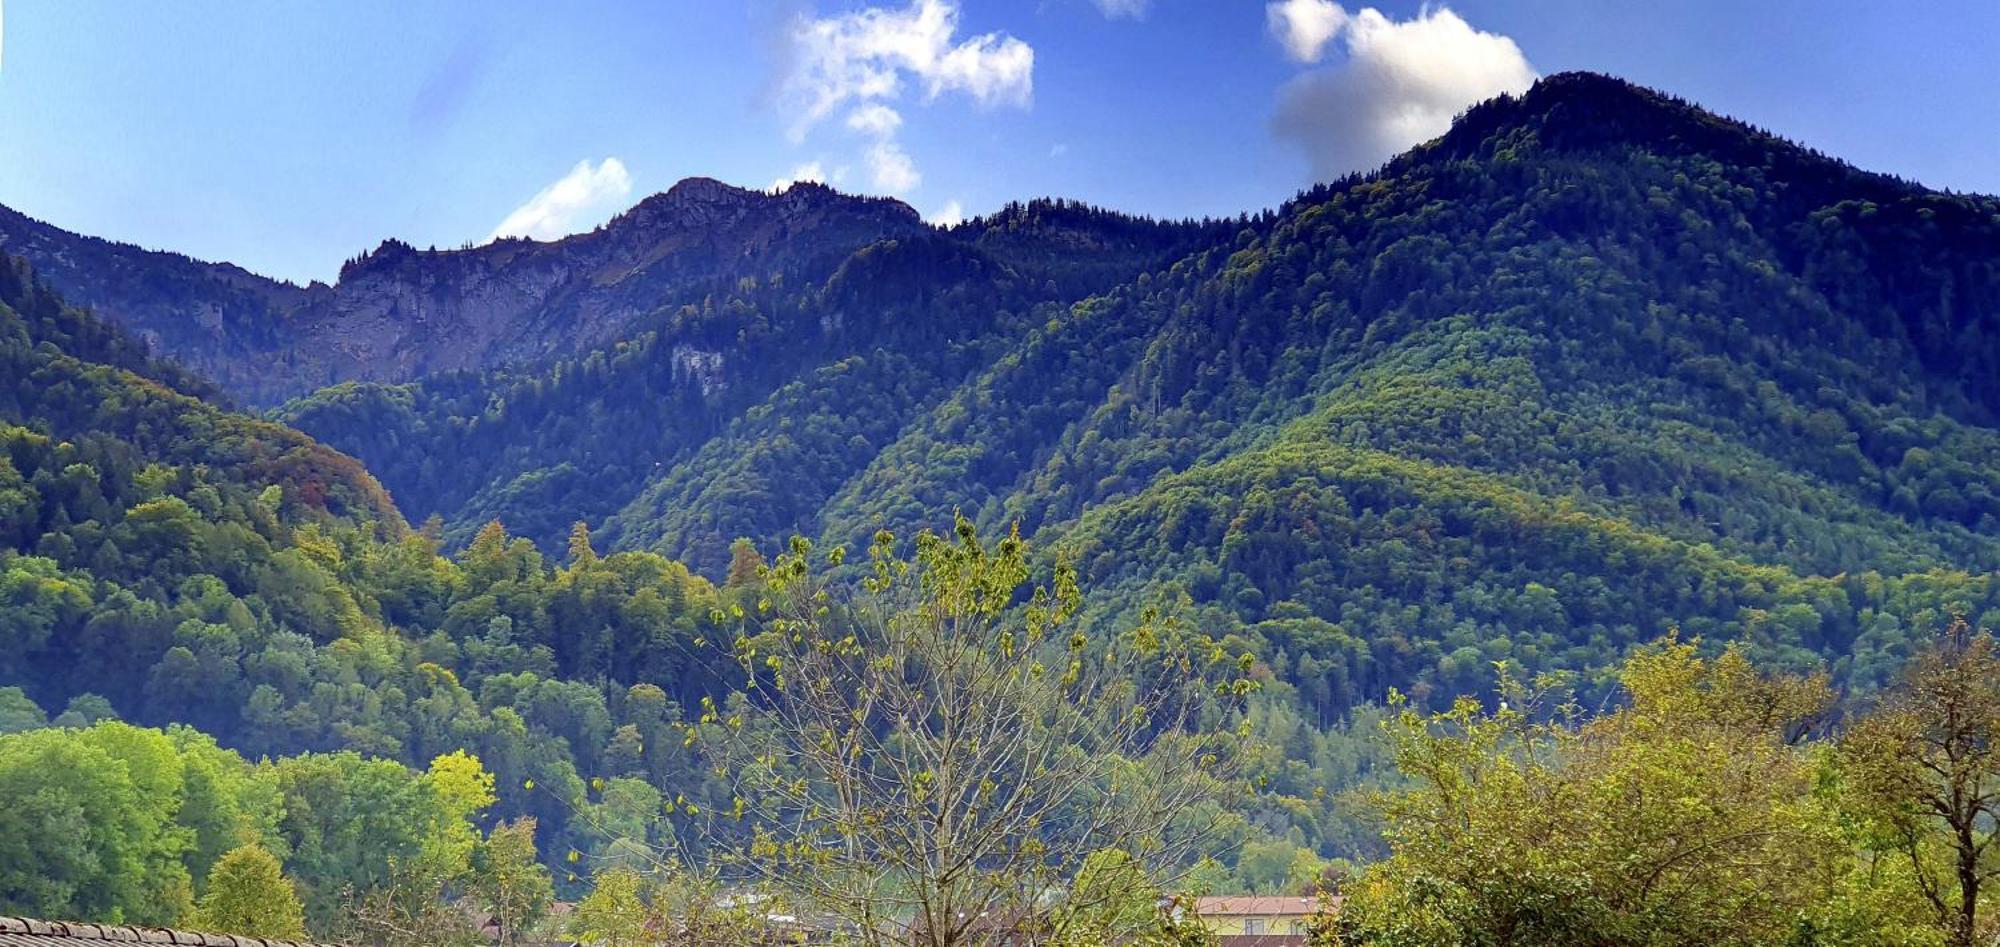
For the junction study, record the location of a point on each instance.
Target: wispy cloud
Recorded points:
(1124, 9)
(1401, 82)
(809, 171)
(890, 169)
(866, 56)
(864, 60)
(583, 198)
(875, 119)
(1305, 27)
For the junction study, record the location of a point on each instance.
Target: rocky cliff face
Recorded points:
(398, 313)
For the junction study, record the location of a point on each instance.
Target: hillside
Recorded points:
(168, 562)
(1532, 393)
(1593, 365)
(740, 412)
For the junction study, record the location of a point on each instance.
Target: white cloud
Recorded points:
(863, 60)
(875, 119)
(890, 169)
(950, 215)
(810, 171)
(865, 55)
(1124, 9)
(1305, 27)
(1058, 149)
(585, 197)
(1401, 84)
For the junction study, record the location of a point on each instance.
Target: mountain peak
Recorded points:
(1586, 111)
(696, 199)
(704, 189)
(1583, 84)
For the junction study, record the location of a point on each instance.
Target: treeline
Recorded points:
(1594, 365)
(121, 824)
(1531, 398)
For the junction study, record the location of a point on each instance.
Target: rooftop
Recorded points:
(28, 932)
(1260, 906)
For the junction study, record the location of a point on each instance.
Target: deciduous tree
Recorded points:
(938, 750)
(248, 895)
(1923, 770)
(1682, 817)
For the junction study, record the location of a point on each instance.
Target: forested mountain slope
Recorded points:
(1593, 365)
(173, 564)
(398, 313)
(166, 561)
(739, 412)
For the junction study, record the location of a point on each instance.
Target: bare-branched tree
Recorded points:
(935, 756)
(1924, 769)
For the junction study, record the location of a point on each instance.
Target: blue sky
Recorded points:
(290, 136)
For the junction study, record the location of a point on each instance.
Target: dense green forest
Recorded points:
(1593, 369)
(176, 565)
(1594, 365)
(738, 411)
(169, 562)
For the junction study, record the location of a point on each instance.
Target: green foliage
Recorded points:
(1920, 779)
(116, 822)
(83, 836)
(666, 904)
(509, 884)
(614, 913)
(1111, 901)
(248, 895)
(929, 753)
(167, 562)
(1699, 810)
(735, 408)
(1537, 392)
(18, 712)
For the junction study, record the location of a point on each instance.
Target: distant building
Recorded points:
(28, 932)
(1254, 921)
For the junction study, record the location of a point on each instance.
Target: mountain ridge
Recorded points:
(397, 312)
